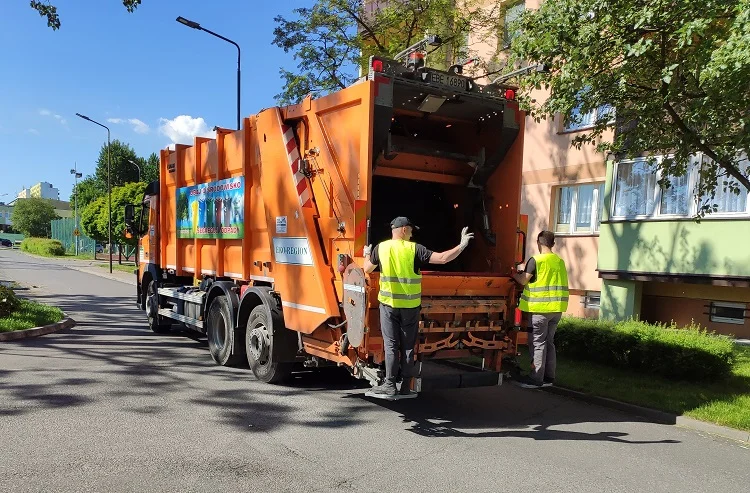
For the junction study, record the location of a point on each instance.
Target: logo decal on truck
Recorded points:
(292, 251)
(281, 225)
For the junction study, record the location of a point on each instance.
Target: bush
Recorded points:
(9, 302)
(666, 350)
(43, 246)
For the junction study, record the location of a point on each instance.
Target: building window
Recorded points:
(727, 313)
(579, 121)
(592, 300)
(637, 193)
(578, 208)
(510, 30)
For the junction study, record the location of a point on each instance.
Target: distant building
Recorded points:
(6, 211)
(42, 190)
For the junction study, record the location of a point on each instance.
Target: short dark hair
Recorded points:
(546, 238)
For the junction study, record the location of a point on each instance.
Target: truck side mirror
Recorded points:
(129, 215)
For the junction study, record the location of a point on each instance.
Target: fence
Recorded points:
(62, 229)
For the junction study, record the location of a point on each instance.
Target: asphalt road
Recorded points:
(109, 406)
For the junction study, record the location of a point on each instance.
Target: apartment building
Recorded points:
(42, 190)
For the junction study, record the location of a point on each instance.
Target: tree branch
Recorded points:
(698, 142)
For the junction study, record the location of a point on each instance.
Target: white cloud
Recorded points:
(182, 129)
(138, 126)
(45, 112)
(33, 131)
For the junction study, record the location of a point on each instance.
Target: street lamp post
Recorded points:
(109, 186)
(76, 175)
(139, 168)
(195, 25)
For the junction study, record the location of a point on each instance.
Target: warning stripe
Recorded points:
(300, 181)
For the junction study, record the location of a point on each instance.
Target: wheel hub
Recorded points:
(259, 345)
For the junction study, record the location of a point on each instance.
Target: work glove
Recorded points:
(367, 251)
(466, 237)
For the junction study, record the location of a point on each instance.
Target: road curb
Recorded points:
(15, 335)
(653, 414)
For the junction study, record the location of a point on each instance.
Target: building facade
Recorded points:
(660, 265)
(6, 212)
(42, 190)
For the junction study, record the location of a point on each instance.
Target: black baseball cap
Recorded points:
(402, 221)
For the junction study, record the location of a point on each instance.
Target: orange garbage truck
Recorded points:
(256, 237)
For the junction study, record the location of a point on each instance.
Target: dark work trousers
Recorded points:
(542, 345)
(400, 327)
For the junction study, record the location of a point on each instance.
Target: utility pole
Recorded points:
(76, 175)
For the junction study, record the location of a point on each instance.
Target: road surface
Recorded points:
(109, 406)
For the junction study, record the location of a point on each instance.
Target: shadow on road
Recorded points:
(111, 357)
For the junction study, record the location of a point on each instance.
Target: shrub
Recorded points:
(666, 350)
(43, 246)
(9, 302)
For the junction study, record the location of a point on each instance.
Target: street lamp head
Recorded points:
(83, 116)
(188, 23)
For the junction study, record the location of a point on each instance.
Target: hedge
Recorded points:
(665, 350)
(43, 246)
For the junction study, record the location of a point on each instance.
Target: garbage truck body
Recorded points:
(256, 237)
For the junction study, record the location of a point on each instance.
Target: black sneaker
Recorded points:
(527, 383)
(388, 388)
(548, 382)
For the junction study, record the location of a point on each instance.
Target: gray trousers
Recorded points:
(542, 345)
(400, 327)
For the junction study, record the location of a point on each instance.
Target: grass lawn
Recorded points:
(122, 268)
(725, 402)
(81, 256)
(30, 315)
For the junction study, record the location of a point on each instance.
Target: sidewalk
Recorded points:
(95, 267)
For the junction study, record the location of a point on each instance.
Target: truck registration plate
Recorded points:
(448, 80)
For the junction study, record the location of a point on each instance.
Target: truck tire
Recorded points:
(156, 323)
(258, 336)
(226, 349)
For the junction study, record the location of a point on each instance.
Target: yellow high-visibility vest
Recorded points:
(549, 293)
(400, 286)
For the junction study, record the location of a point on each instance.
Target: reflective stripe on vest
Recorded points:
(549, 293)
(400, 287)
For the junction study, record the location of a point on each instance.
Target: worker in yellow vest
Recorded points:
(400, 261)
(545, 299)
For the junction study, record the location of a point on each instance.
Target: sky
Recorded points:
(150, 79)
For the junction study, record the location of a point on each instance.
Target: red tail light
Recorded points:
(510, 94)
(377, 65)
(517, 318)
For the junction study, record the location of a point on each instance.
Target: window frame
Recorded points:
(596, 203)
(586, 301)
(727, 320)
(693, 177)
(595, 115)
(504, 38)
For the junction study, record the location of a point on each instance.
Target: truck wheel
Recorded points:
(157, 324)
(258, 336)
(220, 333)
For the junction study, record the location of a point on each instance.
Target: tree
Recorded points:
(49, 11)
(677, 74)
(123, 170)
(95, 220)
(88, 190)
(32, 216)
(333, 39)
(151, 169)
(95, 217)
